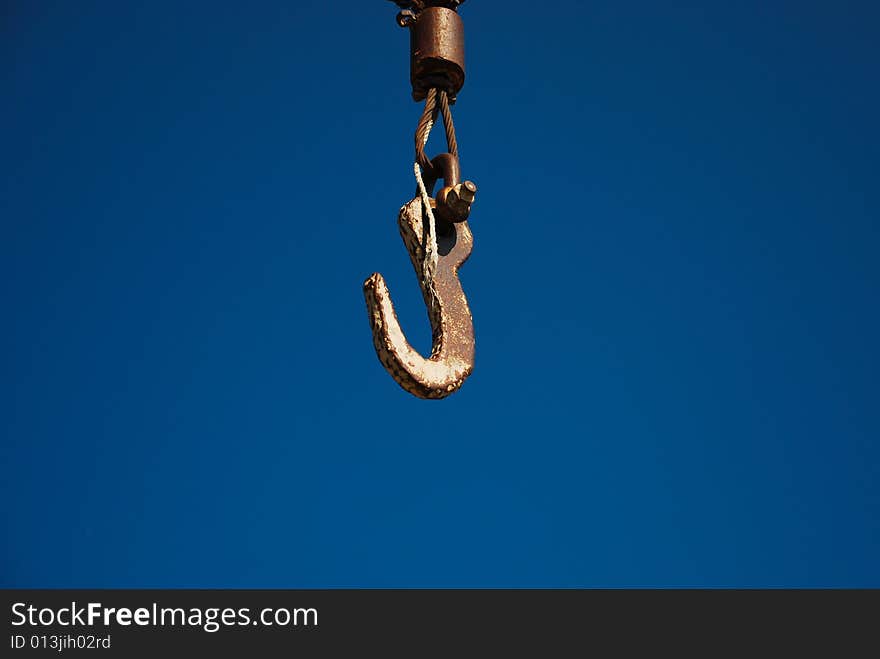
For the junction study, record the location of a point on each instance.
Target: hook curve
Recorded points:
(452, 327)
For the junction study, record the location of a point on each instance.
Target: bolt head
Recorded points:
(466, 191)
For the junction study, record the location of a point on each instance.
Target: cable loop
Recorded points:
(436, 102)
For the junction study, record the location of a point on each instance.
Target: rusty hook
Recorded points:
(452, 329)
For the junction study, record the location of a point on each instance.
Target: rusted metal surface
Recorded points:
(452, 328)
(434, 230)
(453, 202)
(420, 4)
(415, 6)
(436, 52)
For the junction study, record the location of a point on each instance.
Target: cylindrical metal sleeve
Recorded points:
(437, 52)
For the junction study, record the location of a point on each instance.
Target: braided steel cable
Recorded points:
(437, 101)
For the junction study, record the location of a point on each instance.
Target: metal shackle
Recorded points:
(453, 201)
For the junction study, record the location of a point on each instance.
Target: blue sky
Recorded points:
(674, 287)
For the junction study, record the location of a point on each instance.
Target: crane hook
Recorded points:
(452, 328)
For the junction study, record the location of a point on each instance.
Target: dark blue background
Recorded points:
(674, 285)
